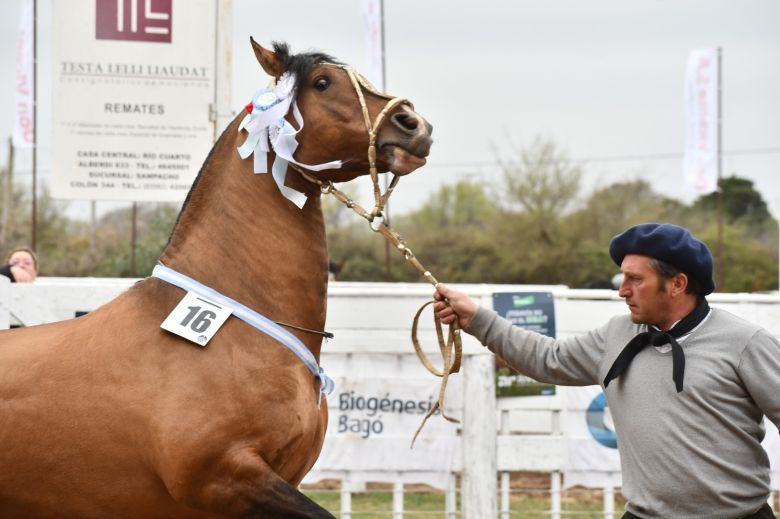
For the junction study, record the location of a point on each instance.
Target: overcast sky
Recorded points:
(601, 78)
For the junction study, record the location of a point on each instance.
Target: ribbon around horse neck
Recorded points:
(251, 317)
(265, 124)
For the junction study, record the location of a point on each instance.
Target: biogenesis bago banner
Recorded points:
(132, 85)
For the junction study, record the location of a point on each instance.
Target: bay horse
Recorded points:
(110, 416)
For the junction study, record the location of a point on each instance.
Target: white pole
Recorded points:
(505, 475)
(555, 476)
(555, 494)
(478, 480)
(398, 500)
(451, 500)
(346, 498)
(223, 49)
(5, 303)
(609, 499)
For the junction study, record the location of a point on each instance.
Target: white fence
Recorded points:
(496, 437)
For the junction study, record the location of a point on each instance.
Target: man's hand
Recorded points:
(453, 304)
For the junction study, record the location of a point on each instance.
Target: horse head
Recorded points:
(344, 118)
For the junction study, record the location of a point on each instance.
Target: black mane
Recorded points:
(301, 64)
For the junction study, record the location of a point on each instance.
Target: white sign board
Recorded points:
(132, 87)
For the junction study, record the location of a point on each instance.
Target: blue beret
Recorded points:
(669, 243)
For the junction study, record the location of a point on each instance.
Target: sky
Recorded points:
(603, 79)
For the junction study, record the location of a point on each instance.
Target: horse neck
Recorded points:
(238, 235)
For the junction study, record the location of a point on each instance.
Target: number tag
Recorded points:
(196, 319)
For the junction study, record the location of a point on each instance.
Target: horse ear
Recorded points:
(268, 59)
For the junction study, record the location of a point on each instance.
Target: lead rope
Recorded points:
(451, 350)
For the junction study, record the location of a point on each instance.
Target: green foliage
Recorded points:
(534, 226)
(68, 247)
(542, 230)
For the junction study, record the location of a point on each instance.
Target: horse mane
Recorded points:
(299, 64)
(302, 63)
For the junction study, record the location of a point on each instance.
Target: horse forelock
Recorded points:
(301, 64)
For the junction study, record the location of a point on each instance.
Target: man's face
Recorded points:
(648, 302)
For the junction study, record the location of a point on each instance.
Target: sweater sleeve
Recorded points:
(6, 271)
(759, 369)
(572, 361)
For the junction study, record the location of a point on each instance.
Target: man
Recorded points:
(687, 385)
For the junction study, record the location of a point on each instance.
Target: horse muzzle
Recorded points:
(405, 141)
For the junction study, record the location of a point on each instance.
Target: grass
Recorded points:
(378, 504)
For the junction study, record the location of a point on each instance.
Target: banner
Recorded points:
(700, 161)
(593, 455)
(591, 443)
(132, 88)
(374, 38)
(24, 125)
(372, 421)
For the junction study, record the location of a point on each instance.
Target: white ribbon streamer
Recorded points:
(267, 125)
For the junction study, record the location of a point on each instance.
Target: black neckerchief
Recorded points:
(657, 337)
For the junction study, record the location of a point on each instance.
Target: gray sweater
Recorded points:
(694, 454)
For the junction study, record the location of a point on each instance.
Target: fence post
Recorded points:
(346, 497)
(555, 494)
(5, 303)
(451, 500)
(555, 476)
(398, 499)
(504, 475)
(609, 499)
(478, 479)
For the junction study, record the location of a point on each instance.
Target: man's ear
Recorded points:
(679, 283)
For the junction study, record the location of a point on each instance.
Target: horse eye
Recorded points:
(322, 83)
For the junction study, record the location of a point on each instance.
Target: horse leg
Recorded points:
(242, 485)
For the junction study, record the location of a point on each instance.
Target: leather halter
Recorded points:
(359, 82)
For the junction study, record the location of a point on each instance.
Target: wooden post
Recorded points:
(133, 239)
(504, 510)
(346, 498)
(398, 498)
(451, 499)
(478, 481)
(5, 303)
(8, 189)
(222, 114)
(609, 499)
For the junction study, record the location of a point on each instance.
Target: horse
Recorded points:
(110, 415)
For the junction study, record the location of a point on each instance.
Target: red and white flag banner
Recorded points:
(700, 161)
(23, 120)
(372, 24)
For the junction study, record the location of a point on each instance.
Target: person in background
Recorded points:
(687, 385)
(21, 265)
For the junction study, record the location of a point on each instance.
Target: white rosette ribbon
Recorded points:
(266, 125)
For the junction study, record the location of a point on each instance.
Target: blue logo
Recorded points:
(595, 416)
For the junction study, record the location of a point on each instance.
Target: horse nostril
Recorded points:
(406, 122)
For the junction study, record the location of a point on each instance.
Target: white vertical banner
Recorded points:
(25, 69)
(373, 28)
(133, 86)
(700, 161)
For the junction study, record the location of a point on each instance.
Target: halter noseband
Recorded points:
(358, 81)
